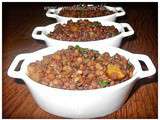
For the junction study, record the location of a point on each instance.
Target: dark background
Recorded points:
(18, 22)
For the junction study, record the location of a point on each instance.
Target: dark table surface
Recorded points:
(18, 23)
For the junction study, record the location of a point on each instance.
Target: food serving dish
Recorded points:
(81, 103)
(118, 11)
(112, 41)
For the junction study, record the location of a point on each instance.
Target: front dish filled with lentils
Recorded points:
(83, 30)
(85, 11)
(77, 68)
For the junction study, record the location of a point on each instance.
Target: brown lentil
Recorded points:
(82, 30)
(102, 71)
(84, 11)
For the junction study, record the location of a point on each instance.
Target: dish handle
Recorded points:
(120, 11)
(51, 13)
(130, 30)
(11, 71)
(151, 68)
(35, 34)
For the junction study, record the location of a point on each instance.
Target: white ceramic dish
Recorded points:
(53, 13)
(81, 103)
(113, 41)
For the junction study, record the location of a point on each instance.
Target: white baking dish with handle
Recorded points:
(119, 11)
(113, 41)
(81, 103)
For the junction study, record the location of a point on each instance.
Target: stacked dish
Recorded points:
(112, 41)
(80, 74)
(111, 13)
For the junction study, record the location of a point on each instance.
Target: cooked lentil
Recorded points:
(85, 11)
(82, 30)
(77, 68)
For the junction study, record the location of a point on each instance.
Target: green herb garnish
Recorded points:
(77, 47)
(82, 50)
(129, 65)
(94, 24)
(103, 83)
